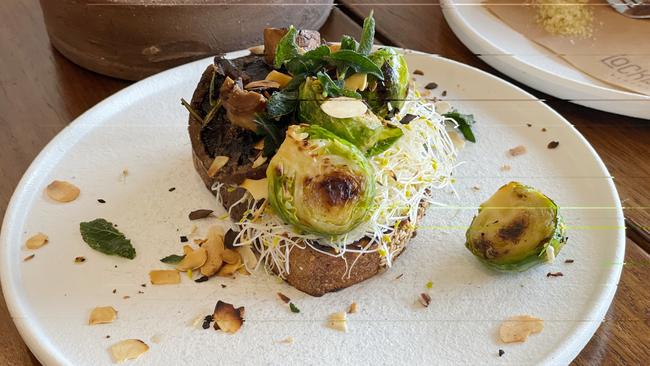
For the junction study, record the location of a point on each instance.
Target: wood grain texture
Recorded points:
(622, 142)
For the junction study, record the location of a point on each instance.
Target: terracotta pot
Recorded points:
(135, 38)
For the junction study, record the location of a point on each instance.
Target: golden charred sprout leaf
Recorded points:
(390, 94)
(515, 228)
(319, 182)
(102, 236)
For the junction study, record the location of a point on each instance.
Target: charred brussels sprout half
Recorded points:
(394, 88)
(320, 183)
(364, 130)
(516, 229)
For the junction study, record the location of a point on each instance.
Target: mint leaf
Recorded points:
(349, 43)
(465, 122)
(102, 236)
(172, 259)
(367, 35)
(333, 88)
(286, 48)
(356, 61)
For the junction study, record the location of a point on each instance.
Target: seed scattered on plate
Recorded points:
(199, 214)
(554, 274)
(418, 72)
(569, 261)
(284, 297)
(338, 321)
(288, 340)
(79, 259)
(476, 188)
(172, 189)
(201, 279)
(227, 318)
(102, 315)
(62, 191)
(164, 277)
(125, 297)
(425, 299)
(353, 308)
(431, 86)
(444, 93)
(553, 144)
(501, 352)
(518, 328)
(529, 125)
(517, 150)
(101, 200)
(114, 290)
(442, 107)
(128, 349)
(36, 241)
(544, 129)
(505, 168)
(399, 276)
(29, 257)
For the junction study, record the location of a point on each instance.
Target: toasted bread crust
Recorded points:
(310, 271)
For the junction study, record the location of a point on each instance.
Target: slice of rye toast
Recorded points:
(309, 270)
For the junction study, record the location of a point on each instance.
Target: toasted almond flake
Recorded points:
(249, 259)
(229, 269)
(288, 340)
(259, 161)
(36, 241)
(550, 254)
(517, 150)
(227, 318)
(338, 321)
(278, 77)
(334, 47)
(257, 50)
(442, 107)
(62, 191)
(193, 260)
(505, 168)
(259, 145)
(258, 188)
(29, 257)
(231, 257)
(457, 140)
(102, 315)
(284, 297)
(164, 277)
(353, 308)
(217, 164)
(215, 247)
(356, 82)
(425, 299)
(518, 328)
(264, 84)
(128, 349)
(344, 107)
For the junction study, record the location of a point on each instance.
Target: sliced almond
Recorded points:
(356, 82)
(231, 257)
(344, 107)
(217, 164)
(228, 270)
(262, 84)
(518, 328)
(215, 247)
(128, 349)
(259, 145)
(259, 161)
(164, 277)
(193, 260)
(338, 321)
(187, 249)
(248, 257)
(227, 318)
(102, 315)
(353, 308)
(517, 150)
(257, 50)
(258, 188)
(278, 77)
(442, 107)
(62, 191)
(36, 241)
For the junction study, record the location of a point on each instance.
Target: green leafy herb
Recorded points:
(349, 43)
(294, 308)
(102, 236)
(367, 35)
(272, 134)
(172, 259)
(465, 122)
(286, 48)
(386, 139)
(333, 88)
(189, 108)
(282, 103)
(308, 63)
(356, 61)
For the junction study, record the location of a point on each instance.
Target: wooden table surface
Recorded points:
(42, 92)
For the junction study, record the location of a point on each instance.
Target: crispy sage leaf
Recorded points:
(286, 48)
(172, 259)
(356, 61)
(102, 236)
(465, 122)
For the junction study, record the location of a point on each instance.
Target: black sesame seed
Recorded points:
(101, 200)
(501, 352)
(431, 86)
(172, 189)
(183, 239)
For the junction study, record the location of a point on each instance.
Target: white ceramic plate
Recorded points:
(525, 61)
(143, 129)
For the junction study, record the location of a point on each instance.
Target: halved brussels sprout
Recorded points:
(366, 131)
(516, 229)
(319, 182)
(394, 88)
